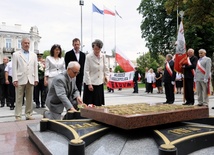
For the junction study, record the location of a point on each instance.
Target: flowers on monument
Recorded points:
(80, 106)
(41, 70)
(142, 108)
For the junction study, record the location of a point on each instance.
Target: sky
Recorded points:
(59, 21)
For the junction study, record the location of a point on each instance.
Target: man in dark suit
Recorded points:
(63, 92)
(76, 55)
(3, 85)
(169, 80)
(189, 71)
(135, 80)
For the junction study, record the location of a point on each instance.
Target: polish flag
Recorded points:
(123, 61)
(107, 11)
(180, 55)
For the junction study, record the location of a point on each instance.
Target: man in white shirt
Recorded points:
(9, 82)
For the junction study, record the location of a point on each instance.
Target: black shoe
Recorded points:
(37, 106)
(185, 103)
(200, 104)
(212, 107)
(170, 102)
(43, 106)
(12, 108)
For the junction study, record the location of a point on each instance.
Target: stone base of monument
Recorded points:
(170, 139)
(149, 130)
(133, 116)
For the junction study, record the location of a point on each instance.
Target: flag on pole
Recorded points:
(180, 55)
(96, 9)
(118, 14)
(123, 61)
(107, 11)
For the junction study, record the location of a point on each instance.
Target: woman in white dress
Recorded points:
(150, 80)
(54, 64)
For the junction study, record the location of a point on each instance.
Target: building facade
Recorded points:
(11, 36)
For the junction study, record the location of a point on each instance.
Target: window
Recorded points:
(8, 43)
(19, 44)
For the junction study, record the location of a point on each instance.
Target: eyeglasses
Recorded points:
(76, 73)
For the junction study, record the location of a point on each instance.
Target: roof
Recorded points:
(15, 29)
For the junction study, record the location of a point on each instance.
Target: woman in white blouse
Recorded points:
(150, 80)
(54, 64)
(95, 74)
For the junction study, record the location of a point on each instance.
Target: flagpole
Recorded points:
(181, 13)
(115, 42)
(91, 26)
(81, 3)
(103, 32)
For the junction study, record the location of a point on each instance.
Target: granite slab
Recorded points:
(133, 116)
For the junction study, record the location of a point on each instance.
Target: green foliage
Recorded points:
(118, 68)
(47, 53)
(159, 25)
(158, 28)
(198, 22)
(147, 60)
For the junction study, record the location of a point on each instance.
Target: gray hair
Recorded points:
(202, 50)
(25, 38)
(192, 50)
(72, 64)
(98, 43)
(169, 56)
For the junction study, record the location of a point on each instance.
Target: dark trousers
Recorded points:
(79, 87)
(3, 93)
(135, 86)
(11, 92)
(149, 88)
(38, 90)
(146, 85)
(189, 92)
(169, 91)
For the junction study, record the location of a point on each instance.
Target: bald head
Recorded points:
(5, 60)
(73, 69)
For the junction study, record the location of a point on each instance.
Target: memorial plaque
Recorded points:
(132, 116)
(186, 137)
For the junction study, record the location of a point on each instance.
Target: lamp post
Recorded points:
(81, 4)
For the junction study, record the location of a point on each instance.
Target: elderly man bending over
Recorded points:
(63, 92)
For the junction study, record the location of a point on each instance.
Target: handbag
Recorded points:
(154, 85)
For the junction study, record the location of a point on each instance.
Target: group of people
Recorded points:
(196, 77)
(62, 78)
(27, 74)
(194, 71)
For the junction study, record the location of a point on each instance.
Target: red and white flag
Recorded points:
(108, 11)
(180, 55)
(123, 61)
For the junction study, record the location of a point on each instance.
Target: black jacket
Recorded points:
(188, 68)
(2, 75)
(167, 78)
(70, 56)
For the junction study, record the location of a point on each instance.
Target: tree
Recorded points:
(118, 68)
(47, 53)
(146, 60)
(158, 28)
(198, 22)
